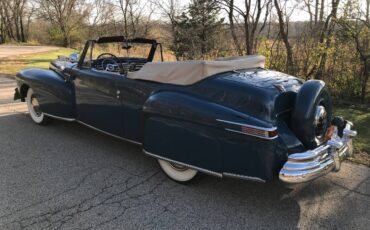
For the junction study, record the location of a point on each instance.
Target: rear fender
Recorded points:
(187, 129)
(55, 95)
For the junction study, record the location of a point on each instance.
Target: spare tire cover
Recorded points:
(312, 113)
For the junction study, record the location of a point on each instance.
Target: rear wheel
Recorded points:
(176, 172)
(34, 109)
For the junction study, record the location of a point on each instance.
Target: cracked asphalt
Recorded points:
(67, 176)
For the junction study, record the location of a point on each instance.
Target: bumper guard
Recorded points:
(309, 165)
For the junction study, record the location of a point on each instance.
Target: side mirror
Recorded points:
(73, 57)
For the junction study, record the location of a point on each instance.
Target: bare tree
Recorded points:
(325, 37)
(66, 15)
(136, 16)
(283, 32)
(253, 21)
(101, 17)
(229, 8)
(171, 10)
(357, 24)
(14, 14)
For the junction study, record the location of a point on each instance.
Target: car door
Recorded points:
(98, 102)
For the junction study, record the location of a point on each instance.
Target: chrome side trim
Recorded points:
(60, 118)
(184, 164)
(249, 134)
(246, 125)
(121, 138)
(251, 178)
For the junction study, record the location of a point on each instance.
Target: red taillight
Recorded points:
(273, 133)
(329, 133)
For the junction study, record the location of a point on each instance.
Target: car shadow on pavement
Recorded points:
(65, 175)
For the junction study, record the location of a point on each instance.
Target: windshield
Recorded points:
(116, 54)
(119, 49)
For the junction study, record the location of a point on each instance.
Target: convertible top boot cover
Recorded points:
(190, 72)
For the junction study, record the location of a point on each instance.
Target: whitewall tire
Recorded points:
(34, 109)
(177, 172)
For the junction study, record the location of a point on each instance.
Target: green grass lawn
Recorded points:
(12, 65)
(42, 60)
(361, 142)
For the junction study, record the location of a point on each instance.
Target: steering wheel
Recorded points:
(112, 57)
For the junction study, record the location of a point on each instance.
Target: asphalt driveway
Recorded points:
(66, 176)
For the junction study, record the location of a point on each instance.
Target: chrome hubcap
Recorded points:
(320, 121)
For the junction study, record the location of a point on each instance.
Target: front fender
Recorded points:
(55, 95)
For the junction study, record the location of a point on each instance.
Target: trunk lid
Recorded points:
(263, 94)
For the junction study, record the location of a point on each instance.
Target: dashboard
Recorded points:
(119, 65)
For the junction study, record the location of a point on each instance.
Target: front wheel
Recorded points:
(34, 109)
(176, 172)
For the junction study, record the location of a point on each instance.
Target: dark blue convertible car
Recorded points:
(228, 117)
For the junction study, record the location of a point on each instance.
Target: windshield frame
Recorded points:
(114, 39)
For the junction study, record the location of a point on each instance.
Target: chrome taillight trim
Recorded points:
(254, 133)
(249, 134)
(246, 125)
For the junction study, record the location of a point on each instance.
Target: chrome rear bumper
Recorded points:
(309, 165)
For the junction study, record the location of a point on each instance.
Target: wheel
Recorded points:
(34, 109)
(312, 113)
(176, 172)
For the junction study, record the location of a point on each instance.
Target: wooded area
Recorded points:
(332, 44)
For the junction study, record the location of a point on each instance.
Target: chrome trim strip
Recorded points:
(121, 138)
(251, 178)
(184, 164)
(60, 118)
(246, 125)
(249, 134)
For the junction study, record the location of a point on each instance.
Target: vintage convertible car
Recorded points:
(227, 117)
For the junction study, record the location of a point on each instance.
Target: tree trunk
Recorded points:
(326, 34)
(23, 38)
(66, 41)
(316, 11)
(66, 37)
(248, 42)
(365, 78)
(322, 8)
(284, 36)
(232, 28)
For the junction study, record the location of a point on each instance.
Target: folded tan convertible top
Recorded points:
(190, 72)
